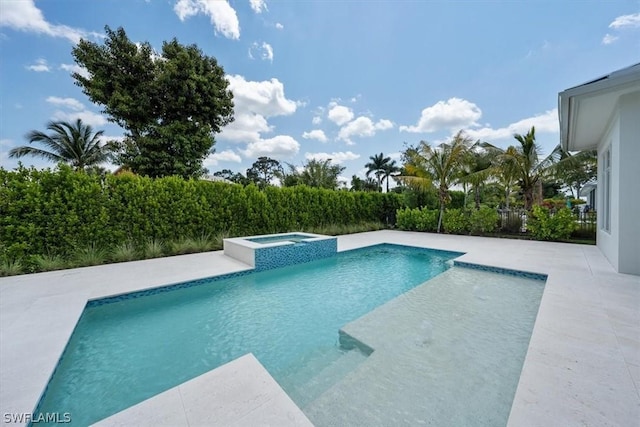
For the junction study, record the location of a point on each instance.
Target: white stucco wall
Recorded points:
(621, 245)
(629, 176)
(607, 241)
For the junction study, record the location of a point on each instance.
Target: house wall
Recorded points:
(629, 184)
(621, 245)
(607, 241)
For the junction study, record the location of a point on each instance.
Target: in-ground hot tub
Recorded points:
(278, 250)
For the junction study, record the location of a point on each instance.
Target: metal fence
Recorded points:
(514, 221)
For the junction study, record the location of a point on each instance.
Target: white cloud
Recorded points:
(265, 97)
(24, 16)
(223, 156)
(246, 127)
(88, 117)
(455, 113)
(362, 127)
(339, 114)
(315, 134)
(336, 157)
(263, 51)
(608, 39)
(40, 66)
(75, 68)
(544, 123)
(395, 155)
(222, 15)
(258, 6)
(316, 120)
(279, 26)
(255, 102)
(281, 146)
(70, 103)
(79, 111)
(626, 21)
(384, 124)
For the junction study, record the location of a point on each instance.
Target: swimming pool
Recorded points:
(127, 350)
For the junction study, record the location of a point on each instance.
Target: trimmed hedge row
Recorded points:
(454, 221)
(541, 224)
(55, 212)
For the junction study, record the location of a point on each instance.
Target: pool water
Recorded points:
(296, 238)
(127, 351)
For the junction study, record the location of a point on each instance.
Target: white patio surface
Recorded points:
(582, 367)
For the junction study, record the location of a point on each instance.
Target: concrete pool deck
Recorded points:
(582, 366)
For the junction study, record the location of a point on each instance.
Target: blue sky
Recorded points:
(331, 79)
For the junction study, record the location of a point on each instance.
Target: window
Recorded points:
(606, 190)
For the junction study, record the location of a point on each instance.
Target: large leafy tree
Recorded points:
(73, 143)
(377, 165)
(263, 170)
(321, 173)
(170, 104)
(438, 165)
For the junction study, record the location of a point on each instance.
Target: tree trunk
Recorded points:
(528, 198)
(464, 189)
(440, 216)
(507, 194)
(476, 190)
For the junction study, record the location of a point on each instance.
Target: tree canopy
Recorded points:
(170, 104)
(263, 170)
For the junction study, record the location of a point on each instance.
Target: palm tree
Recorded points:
(390, 170)
(524, 159)
(573, 170)
(441, 165)
(377, 165)
(75, 144)
(476, 168)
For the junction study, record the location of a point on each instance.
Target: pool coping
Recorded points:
(582, 363)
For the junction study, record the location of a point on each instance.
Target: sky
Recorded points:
(338, 79)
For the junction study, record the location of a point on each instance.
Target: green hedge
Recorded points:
(546, 226)
(55, 212)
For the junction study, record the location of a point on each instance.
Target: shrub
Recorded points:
(152, 248)
(455, 221)
(417, 219)
(89, 255)
(427, 220)
(48, 262)
(407, 219)
(185, 245)
(544, 226)
(124, 251)
(484, 220)
(10, 268)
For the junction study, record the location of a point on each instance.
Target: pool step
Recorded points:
(310, 382)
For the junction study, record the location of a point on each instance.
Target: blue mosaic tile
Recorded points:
(500, 270)
(297, 253)
(166, 288)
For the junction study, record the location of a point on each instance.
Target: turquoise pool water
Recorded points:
(127, 351)
(291, 237)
